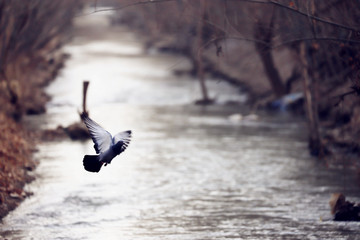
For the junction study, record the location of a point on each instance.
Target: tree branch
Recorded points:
(124, 6)
(301, 13)
(234, 38)
(355, 90)
(335, 39)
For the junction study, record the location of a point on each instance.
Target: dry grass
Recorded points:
(32, 33)
(15, 163)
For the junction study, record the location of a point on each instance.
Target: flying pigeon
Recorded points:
(105, 145)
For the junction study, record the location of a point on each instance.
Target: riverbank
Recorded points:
(16, 148)
(31, 57)
(17, 143)
(338, 117)
(211, 177)
(240, 47)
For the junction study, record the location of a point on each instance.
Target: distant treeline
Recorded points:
(31, 32)
(273, 48)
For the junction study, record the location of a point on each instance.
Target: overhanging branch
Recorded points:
(277, 4)
(124, 6)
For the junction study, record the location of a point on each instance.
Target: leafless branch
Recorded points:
(277, 4)
(355, 90)
(234, 38)
(335, 39)
(124, 6)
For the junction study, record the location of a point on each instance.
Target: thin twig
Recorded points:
(280, 44)
(301, 13)
(124, 6)
(235, 38)
(342, 97)
(335, 39)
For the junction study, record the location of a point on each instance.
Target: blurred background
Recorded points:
(245, 117)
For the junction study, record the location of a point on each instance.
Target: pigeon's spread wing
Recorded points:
(101, 138)
(124, 137)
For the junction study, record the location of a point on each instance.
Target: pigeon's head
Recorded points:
(117, 148)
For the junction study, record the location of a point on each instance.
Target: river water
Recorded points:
(190, 172)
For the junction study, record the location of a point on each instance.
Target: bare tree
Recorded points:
(322, 37)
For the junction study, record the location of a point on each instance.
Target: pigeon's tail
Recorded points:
(92, 163)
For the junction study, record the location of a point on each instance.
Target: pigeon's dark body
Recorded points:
(105, 145)
(91, 163)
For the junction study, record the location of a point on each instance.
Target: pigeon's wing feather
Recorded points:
(124, 137)
(102, 139)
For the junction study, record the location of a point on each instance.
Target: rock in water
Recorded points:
(344, 210)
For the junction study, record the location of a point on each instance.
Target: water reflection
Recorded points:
(189, 173)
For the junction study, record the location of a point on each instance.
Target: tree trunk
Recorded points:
(199, 57)
(310, 105)
(271, 71)
(265, 34)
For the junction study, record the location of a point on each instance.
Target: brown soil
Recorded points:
(16, 163)
(17, 143)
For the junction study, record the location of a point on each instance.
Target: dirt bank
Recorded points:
(16, 163)
(17, 143)
(33, 33)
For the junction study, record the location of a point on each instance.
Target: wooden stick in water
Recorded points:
(85, 87)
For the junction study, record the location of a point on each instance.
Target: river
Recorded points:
(190, 172)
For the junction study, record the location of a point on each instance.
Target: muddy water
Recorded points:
(190, 172)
